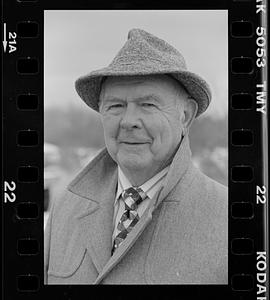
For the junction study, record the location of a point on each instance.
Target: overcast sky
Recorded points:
(77, 42)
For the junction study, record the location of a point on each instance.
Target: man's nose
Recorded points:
(130, 117)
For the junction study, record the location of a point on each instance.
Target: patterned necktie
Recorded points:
(132, 197)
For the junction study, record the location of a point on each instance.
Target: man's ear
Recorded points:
(190, 111)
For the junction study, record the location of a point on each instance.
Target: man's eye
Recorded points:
(147, 104)
(113, 106)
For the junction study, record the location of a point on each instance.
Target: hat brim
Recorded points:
(88, 87)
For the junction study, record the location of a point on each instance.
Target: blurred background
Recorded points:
(77, 42)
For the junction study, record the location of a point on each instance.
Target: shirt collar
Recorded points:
(124, 183)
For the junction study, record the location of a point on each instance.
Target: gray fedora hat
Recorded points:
(145, 54)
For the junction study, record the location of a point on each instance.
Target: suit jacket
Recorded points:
(182, 238)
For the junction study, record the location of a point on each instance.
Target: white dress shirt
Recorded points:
(150, 187)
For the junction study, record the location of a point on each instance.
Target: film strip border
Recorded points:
(22, 144)
(248, 269)
(23, 153)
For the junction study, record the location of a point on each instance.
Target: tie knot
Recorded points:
(133, 196)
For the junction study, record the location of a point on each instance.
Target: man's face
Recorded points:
(142, 118)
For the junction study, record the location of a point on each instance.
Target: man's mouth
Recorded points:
(134, 142)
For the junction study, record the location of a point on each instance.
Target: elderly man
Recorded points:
(140, 212)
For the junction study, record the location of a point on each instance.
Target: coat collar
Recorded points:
(96, 186)
(90, 183)
(178, 168)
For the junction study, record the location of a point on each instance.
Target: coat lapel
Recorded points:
(95, 219)
(178, 168)
(97, 229)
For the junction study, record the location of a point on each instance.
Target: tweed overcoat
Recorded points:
(182, 238)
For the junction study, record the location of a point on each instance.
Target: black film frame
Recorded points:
(23, 155)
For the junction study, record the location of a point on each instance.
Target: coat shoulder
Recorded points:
(212, 190)
(195, 222)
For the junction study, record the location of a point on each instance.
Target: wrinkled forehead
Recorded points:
(162, 81)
